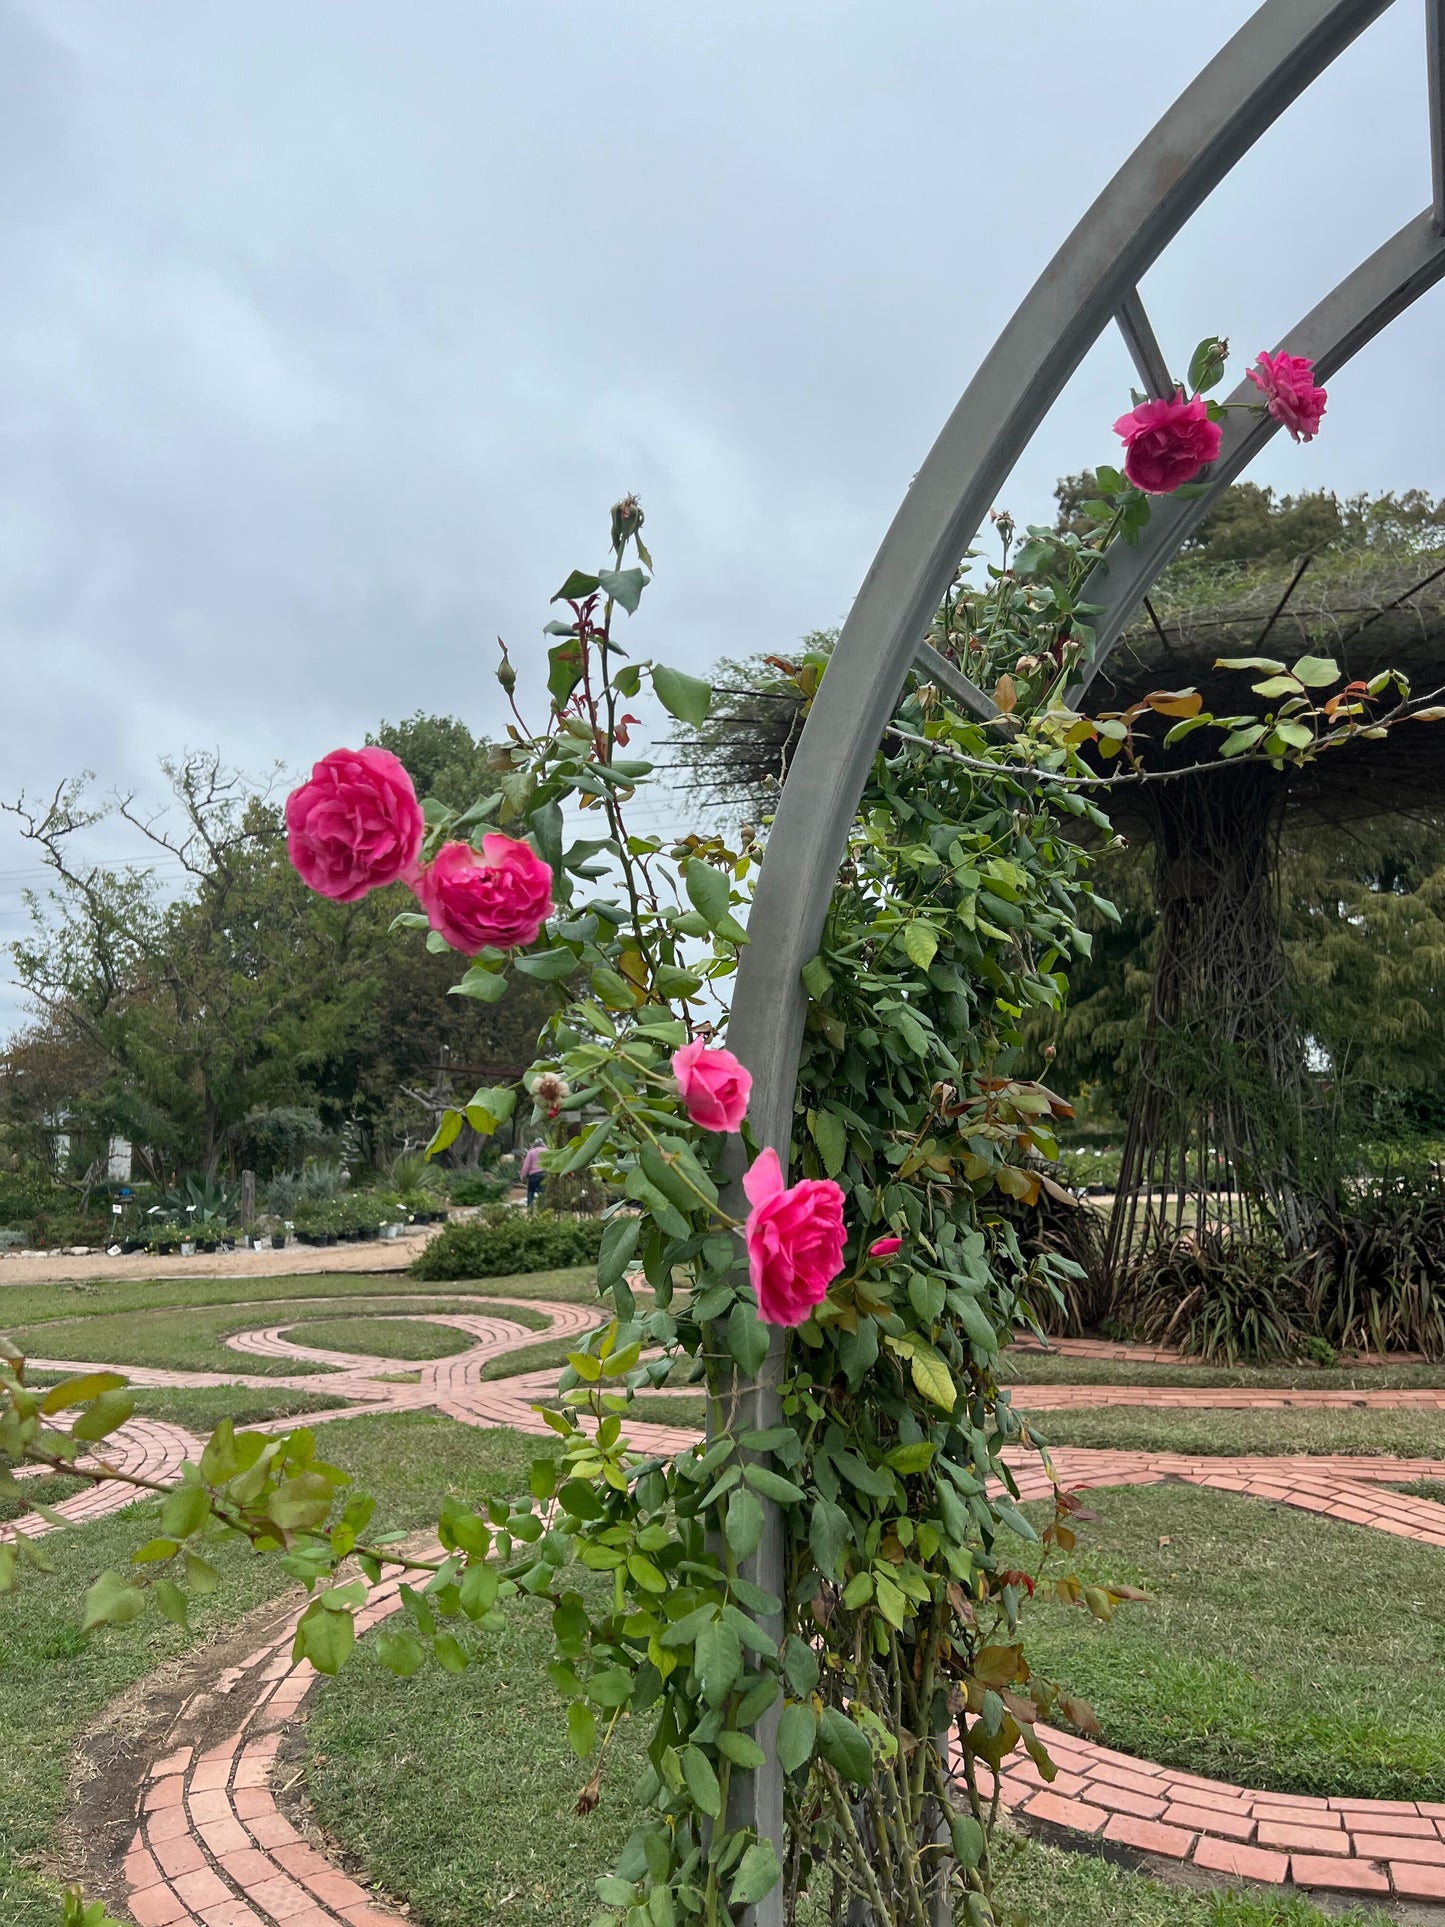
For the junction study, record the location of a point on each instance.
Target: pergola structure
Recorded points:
(1090, 285)
(1226, 1126)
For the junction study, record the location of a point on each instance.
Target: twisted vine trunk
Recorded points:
(1220, 1127)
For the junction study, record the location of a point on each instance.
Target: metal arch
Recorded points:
(1092, 280)
(1242, 92)
(1381, 287)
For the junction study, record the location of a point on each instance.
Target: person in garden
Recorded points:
(532, 1174)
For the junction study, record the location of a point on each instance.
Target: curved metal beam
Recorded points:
(1242, 92)
(1383, 286)
(1246, 87)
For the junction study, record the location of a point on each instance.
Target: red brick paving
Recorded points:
(211, 1848)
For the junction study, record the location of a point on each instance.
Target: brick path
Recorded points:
(211, 1848)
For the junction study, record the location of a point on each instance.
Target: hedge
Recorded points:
(500, 1242)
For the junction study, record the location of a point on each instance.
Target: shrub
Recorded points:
(1376, 1280)
(414, 1171)
(24, 1197)
(316, 1184)
(501, 1241)
(1075, 1234)
(1221, 1298)
(50, 1230)
(470, 1188)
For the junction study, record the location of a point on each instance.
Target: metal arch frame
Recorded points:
(1091, 282)
(1364, 303)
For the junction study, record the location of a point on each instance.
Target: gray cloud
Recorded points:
(328, 333)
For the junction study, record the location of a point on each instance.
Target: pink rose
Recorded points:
(502, 897)
(1166, 443)
(795, 1240)
(714, 1086)
(885, 1247)
(1287, 384)
(356, 825)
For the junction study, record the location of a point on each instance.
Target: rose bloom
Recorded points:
(714, 1086)
(1166, 443)
(885, 1247)
(501, 897)
(355, 825)
(1287, 383)
(795, 1240)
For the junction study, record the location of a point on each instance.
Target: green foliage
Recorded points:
(469, 1189)
(503, 1241)
(1218, 1298)
(210, 1025)
(441, 756)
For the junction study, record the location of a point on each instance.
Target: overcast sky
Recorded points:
(328, 332)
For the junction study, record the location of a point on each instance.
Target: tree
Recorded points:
(441, 756)
(198, 1008)
(1251, 524)
(178, 1019)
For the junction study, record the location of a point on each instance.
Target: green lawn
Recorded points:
(1040, 1368)
(1137, 1428)
(1056, 1889)
(401, 1337)
(191, 1338)
(457, 1795)
(53, 1683)
(29, 1304)
(1283, 1650)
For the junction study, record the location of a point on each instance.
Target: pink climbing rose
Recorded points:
(1166, 443)
(355, 825)
(501, 897)
(795, 1239)
(1287, 383)
(885, 1247)
(714, 1086)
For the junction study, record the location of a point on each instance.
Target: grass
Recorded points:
(391, 1337)
(192, 1338)
(53, 1682)
(1279, 1434)
(49, 1489)
(456, 1794)
(201, 1410)
(1053, 1888)
(1283, 1650)
(1048, 1368)
(30, 1304)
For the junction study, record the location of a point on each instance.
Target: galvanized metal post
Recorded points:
(1092, 280)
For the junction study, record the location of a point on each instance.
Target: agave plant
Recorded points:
(202, 1201)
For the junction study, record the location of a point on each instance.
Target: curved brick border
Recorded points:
(211, 1848)
(143, 1448)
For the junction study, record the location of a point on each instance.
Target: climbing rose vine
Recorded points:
(886, 1675)
(1168, 441)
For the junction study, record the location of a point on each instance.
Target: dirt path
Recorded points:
(381, 1255)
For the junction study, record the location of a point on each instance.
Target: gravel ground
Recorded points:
(382, 1255)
